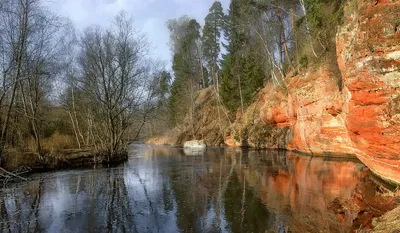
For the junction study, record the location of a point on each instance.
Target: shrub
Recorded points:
(303, 61)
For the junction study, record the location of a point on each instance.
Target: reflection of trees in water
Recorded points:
(94, 201)
(153, 210)
(120, 217)
(244, 211)
(199, 190)
(243, 208)
(168, 198)
(102, 203)
(19, 213)
(215, 196)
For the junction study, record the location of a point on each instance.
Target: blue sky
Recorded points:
(150, 15)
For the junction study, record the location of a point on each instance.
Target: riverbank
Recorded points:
(64, 159)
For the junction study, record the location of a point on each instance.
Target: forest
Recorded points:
(98, 89)
(62, 89)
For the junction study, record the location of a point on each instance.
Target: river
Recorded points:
(163, 189)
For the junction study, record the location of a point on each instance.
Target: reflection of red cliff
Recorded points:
(361, 116)
(306, 189)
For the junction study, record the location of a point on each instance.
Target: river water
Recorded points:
(162, 189)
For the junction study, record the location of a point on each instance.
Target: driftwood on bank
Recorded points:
(7, 176)
(15, 164)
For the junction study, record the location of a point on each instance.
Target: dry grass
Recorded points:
(169, 138)
(208, 122)
(14, 158)
(55, 143)
(389, 222)
(395, 193)
(58, 142)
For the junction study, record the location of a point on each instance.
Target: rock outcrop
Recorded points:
(368, 48)
(348, 108)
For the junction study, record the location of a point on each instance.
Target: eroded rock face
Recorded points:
(312, 108)
(368, 49)
(316, 111)
(359, 117)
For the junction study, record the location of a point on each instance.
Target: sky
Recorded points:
(150, 16)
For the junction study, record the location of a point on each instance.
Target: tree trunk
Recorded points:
(303, 6)
(73, 126)
(20, 51)
(294, 33)
(78, 130)
(283, 37)
(205, 83)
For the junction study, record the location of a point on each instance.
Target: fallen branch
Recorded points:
(10, 175)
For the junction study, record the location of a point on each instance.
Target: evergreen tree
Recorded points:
(185, 35)
(241, 75)
(165, 80)
(214, 23)
(252, 77)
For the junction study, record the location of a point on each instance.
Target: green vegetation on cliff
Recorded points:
(263, 42)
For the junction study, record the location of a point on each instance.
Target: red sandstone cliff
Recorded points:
(368, 48)
(318, 114)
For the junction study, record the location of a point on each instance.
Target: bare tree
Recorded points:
(31, 49)
(114, 79)
(14, 28)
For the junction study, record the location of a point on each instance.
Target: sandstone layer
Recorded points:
(368, 48)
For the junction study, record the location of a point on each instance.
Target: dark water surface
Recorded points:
(162, 189)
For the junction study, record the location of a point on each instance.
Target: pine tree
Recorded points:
(185, 35)
(252, 77)
(214, 23)
(165, 80)
(241, 76)
(228, 90)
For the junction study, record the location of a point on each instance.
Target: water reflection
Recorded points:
(164, 190)
(194, 151)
